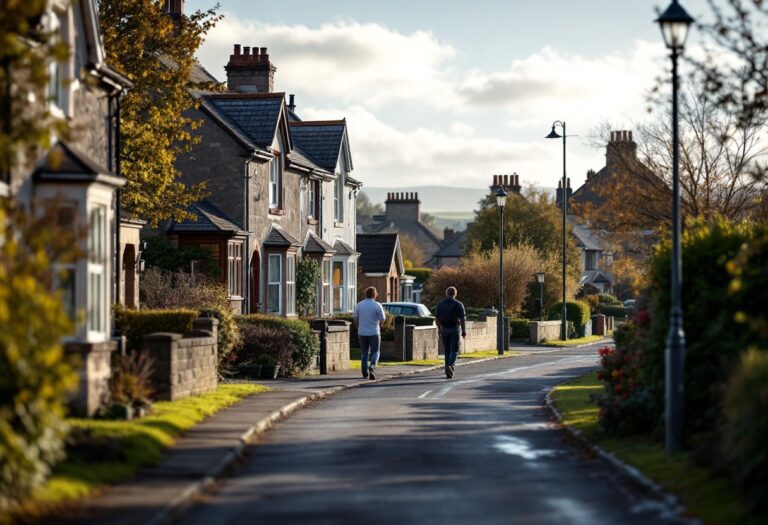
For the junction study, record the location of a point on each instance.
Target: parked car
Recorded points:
(629, 304)
(412, 309)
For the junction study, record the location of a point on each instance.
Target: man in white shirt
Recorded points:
(368, 316)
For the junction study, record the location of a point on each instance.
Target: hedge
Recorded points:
(422, 275)
(135, 324)
(520, 329)
(576, 311)
(419, 321)
(612, 310)
(305, 345)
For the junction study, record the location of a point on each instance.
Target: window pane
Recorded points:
(338, 273)
(273, 298)
(275, 273)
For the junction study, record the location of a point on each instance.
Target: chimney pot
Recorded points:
(264, 55)
(237, 50)
(495, 180)
(246, 50)
(630, 136)
(559, 184)
(569, 182)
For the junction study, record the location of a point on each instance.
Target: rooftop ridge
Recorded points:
(318, 122)
(224, 96)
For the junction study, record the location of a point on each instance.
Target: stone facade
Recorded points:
(545, 331)
(184, 366)
(94, 372)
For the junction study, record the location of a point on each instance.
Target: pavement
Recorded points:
(219, 446)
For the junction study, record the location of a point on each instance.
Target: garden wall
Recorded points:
(412, 343)
(94, 374)
(184, 366)
(545, 331)
(334, 346)
(481, 335)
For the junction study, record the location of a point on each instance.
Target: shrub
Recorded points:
(135, 324)
(605, 298)
(576, 311)
(228, 334)
(161, 254)
(617, 311)
(258, 340)
(304, 344)
(520, 329)
(592, 300)
(131, 385)
(746, 424)
(307, 277)
(419, 321)
(422, 275)
(163, 289)
(35, 377)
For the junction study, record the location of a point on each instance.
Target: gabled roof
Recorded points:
(279, 238)
(377, 251)
(208, 218)
(254, 116)
(321, 140)
(453, 247)
(315, 244)
(585, 238)
(65, 163)
(343, 248)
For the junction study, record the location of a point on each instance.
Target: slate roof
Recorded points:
(454, 247)
(64, 158)
(208, 218)
(321, 140)
(315, 244)
(278, 237)
(585, 238)
(254, 115)
(376, 251)
(343, 248)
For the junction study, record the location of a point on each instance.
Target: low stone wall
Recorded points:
(334, 346)
(545, 331)
(599, 325)
(94, 374)
(420, 342)
(481, 336)
(184, 366)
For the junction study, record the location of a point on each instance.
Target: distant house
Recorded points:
(279, 188)
(380, 264)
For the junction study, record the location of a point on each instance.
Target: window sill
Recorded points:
(338, 224)
(276, 211)
(313, 222)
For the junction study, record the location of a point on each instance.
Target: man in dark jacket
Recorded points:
(449, 316)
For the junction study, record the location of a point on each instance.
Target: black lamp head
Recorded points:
(553, 134)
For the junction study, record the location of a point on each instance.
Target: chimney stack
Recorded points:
(250, 72)
(175, 8)
(291, 102)
(621, 151)
(402, 206)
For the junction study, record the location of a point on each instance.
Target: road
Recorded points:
(423, 449)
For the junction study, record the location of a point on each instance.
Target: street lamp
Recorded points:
(554, 135)
(540, 277)
(501, 201)
(674, 24)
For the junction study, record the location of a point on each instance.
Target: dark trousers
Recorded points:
(451, 340)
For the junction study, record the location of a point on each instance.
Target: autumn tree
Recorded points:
(157, 53)
(412, 253)
(366, 209)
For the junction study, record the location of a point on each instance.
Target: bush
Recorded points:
(35, 377)
(520, 329)
(419, 321)
(617, 311)
(746, 425)
(576, 311)
(161, 254)
(605, 298)
(422, 275)
(135, 324)
(304, 345)
(307, 277)
(131, 382)
(228, 334)
(258, 340)
(162, 289)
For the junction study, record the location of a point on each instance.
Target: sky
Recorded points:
(452, 92)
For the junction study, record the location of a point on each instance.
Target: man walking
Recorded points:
(448, 316)
(368, 317)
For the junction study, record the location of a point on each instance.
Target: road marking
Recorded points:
(425, 394)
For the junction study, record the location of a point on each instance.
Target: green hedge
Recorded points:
(305, 346)
(419, 321)
(135, 324)
(520, 329)
(604, 298)
(422, 275)
(576, 311)
(612, 310)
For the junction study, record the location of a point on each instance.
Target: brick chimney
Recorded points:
(621, 149)
(174, 8)
(510, 183)
(250, 71)
(559, 193)
(402, 206)
(448, 234)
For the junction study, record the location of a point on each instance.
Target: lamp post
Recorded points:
(554, 135)
(501, 201)
(674, 23)
(540, 277)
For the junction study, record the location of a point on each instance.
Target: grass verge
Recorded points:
(103, 452)
(707, 496)
(575, 342)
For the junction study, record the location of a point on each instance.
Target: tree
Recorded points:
(157, 53)
(531, 219)
(366, 209)
(307, 277)
(412, 253)
(26, 51)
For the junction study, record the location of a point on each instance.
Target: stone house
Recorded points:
(78, 177)
(279, 188)
(380, 264)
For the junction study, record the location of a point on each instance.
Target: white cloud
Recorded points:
(345, 61)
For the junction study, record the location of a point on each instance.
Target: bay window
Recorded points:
(338, 286)
(327, 287)
(290, 285)
(235, 269)
(97, 255)
(352, 284)
(274, 283)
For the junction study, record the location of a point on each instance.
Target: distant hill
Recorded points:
(436, 198)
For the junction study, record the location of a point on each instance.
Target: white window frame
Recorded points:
(274, 182)
(311, 199)
(342, 288)
(275, 259)
(96, 318)
(326, 278)
(338, 198)
(351, 283)
(290, 284)
(235, 269)
(61, 80)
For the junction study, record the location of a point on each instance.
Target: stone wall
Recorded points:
(334, 346)
(184, 366)
(599, 325)
(481, 336)
(94, 373)
(420, 342)
(545, 331)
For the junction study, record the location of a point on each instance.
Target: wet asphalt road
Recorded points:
(476, 449)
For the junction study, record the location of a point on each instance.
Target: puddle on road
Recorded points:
(520, 447)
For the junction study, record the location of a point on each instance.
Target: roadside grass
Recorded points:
(484, 354)
(574, 342)
(355, 363)
(102, 452)
(705, 495)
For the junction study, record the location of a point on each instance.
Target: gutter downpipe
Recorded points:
(247, 224)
